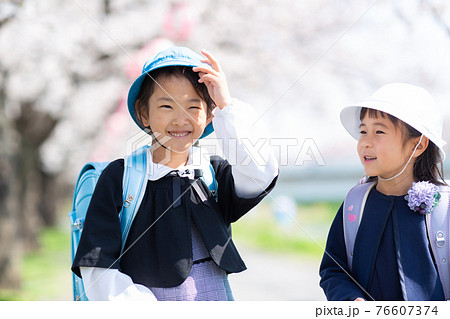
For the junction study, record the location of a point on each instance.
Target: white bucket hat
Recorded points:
(409, 103)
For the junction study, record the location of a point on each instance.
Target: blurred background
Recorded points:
(66, 66)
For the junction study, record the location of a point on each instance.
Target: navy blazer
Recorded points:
(392, 258)
(158, 251)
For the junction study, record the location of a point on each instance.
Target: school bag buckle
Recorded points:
(78, 224)
(440, 239)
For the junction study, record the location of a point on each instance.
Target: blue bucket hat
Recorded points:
(175, 56)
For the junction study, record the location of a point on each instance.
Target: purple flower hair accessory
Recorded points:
(423, 197)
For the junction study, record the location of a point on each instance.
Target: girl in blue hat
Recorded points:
(389, 240)
(179, 246)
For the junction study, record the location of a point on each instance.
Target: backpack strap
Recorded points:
(438, 223)
(135, 178)
(209, 177)
(352, 214)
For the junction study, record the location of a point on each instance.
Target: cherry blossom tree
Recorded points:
(65, 68)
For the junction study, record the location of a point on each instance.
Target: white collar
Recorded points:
(196, 159)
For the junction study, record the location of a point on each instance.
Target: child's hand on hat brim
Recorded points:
(214, 79)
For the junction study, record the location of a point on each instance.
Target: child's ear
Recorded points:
(142, 114)
(209, 118)
(422, 146)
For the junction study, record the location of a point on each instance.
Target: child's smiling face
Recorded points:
(177, 115)
(382, 148)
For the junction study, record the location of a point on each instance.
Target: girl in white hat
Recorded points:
(378, 246)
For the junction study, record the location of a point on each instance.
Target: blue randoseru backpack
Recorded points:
(135, 179)
(438, 226)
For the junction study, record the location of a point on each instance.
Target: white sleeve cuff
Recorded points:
(102, 284)
(246, 145)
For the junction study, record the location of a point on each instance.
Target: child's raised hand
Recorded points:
(214, 79)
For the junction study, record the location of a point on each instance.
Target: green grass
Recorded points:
(45, 272)
(303, 234)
